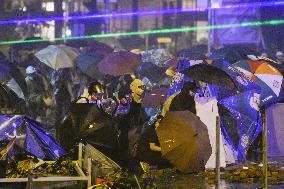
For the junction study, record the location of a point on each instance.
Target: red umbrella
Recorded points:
(119, 63)
(154, 98)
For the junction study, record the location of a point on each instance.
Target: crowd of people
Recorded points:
(50, 93)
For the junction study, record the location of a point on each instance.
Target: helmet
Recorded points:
(137, 86)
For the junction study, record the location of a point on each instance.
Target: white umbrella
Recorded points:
(57, 56)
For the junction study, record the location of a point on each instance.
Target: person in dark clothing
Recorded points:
(185, 99)
(129, 123)
(149, 149)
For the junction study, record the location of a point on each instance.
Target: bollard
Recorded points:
(217, 159)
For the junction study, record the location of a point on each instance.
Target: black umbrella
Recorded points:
(88, 123)
(211, 75)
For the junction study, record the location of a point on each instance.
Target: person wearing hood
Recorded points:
(181, 101)
(36, 92)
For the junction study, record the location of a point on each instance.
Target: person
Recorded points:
(129, 123)
(181, 101)
(149, 150)
(185, 99)
(36, 93)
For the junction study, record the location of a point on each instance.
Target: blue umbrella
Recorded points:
(29, 136)
(244, 108)
(4, 72)
(179, 79)
(241, 80)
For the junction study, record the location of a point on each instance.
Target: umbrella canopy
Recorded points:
(29, 136)
(106, 166)
(88, 123)
(87, 63)
(99, 48)
(157, 56)
(173, 62)
(244, 107)
(232, 54)
(119, 63)
(184, 141)
(211, 75)
(267, 77)
(153, 72)
(194, 53)
(4, 72)
(154, 98)
(57, 56)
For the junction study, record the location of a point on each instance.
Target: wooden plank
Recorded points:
(80, 155)
(89, 172)
(78, 169)
(43, 179)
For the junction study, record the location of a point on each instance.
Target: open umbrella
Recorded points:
(87, 123)
(211, 75)
(267, 77)
(99, 48)
(184, 141)
(244, 107)
(119, 63)
(194, 53)
(87, 63)
(29, 136)
(232, 54)
(154, 98)
(153, 72)
(105, 165)
(157, 56)
(57, 56)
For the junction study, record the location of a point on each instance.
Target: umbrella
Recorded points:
(119, 63)
(106, 166)
(157, 56)
(4, 72)
(244, 107)
(57, 56)
(29, 136)
(184, 141)
(99, 48)
(154, 98)
(87, 63)
(153, 72)
(232, 54)
(267, 77)
(173, 62)
(88, 123)
(211, 75)
(194, 53)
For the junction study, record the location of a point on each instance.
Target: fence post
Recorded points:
(217, 159)
(264, 149)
